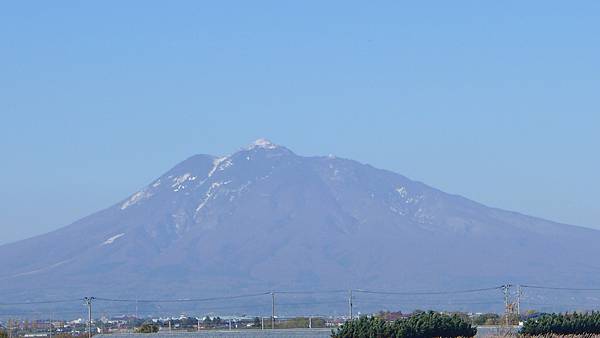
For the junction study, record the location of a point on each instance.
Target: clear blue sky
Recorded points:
(497, 101)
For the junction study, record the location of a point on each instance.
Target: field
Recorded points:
(287, 333)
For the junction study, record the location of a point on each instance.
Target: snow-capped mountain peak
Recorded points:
(264, 218)
(263, 143)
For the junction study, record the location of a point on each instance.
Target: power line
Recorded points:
(559, 288)
(183, 300)
(428, 292)
(312, 303)
(309, 292)
(449, 303)
(565, 304)
(44, 302)
(292, 292)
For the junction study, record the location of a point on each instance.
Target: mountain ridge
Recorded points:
(264, 218)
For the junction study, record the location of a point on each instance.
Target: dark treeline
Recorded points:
(422, 325)
(573, 323)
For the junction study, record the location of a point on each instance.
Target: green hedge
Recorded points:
(574, 323)
(422, 325)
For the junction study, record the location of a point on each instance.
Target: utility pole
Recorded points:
(229, 324)
(272, 310)
(350, 305)
(88, 301)
(50, 326)
(519, 294)
(309, 323)
(506, 291)
(262, 323)
(198, 324)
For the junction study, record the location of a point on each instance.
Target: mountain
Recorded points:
(265, 218)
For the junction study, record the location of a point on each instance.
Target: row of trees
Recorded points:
(422, 325)
(573, 323)
(476, 319)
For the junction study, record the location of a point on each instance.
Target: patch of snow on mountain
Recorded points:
(138, 196)
(225, 164)
(402, 191)
(210, 193)
(180, 179)
(156, 184)
(216, 163)
(262, 143)
(421, 216)
(178, 185)
(409, 199)
(113, 239)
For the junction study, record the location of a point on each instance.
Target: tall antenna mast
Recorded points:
(506, 291)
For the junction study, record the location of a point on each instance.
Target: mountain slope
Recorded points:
(265, 218)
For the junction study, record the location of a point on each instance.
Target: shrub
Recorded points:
(147, 328)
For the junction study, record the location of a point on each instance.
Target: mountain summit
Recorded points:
(265, 218)
(263, 143)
